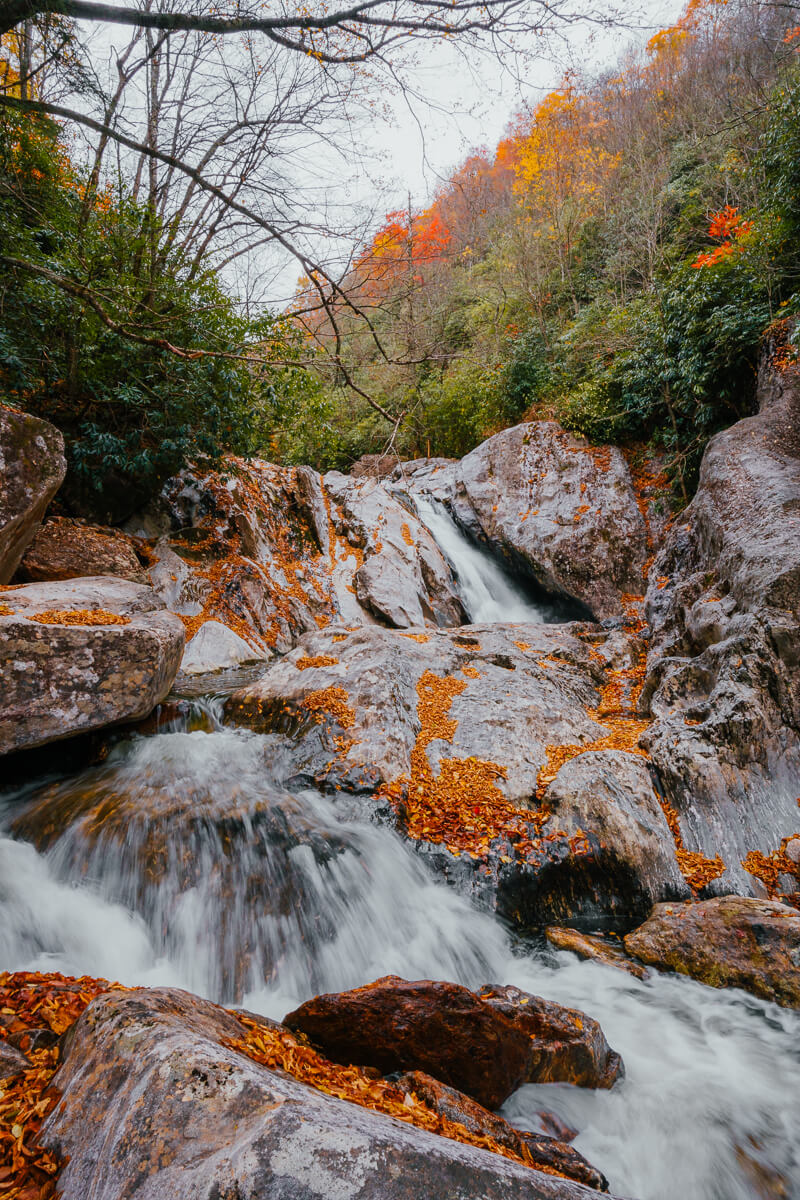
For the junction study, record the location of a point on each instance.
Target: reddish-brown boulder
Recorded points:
(67, 549)
(545, 1153)
(441, 1028)
(565, 1046)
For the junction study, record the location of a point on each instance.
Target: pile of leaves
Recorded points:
(35, 1010)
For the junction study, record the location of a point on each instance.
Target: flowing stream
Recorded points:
(181, 860)
(488, 592)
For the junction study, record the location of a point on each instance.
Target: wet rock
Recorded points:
(723, 604)
(545, 1152)
(609, 795)
(78, 655)
(730, 941)
(12, 1061)
(215, 647)
(597, 948)
(154, 1102)
(566, 1046)
(559, 510)
(67, 549)
(32, 468)
(440, 1028)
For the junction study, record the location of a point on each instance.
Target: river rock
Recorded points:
(346, 709)
(155, 1103)
(69, 549)
(557, 509)
(77, 655)
(565, 1046)
(215, 647)
(610, 795)
(441, 1028)
(723, 682)
(32, 468)
(730, 941)
(545, 1151)
(596, 947)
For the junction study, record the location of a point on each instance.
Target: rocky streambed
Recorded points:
(492, 722)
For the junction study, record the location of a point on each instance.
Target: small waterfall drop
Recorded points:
(181, 861)
(489, 592)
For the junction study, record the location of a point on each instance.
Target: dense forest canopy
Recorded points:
(614, 261)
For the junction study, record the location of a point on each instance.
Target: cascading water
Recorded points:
(489, 593)
(180, 861)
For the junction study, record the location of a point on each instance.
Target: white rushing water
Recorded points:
(488, 592)
(203, 874)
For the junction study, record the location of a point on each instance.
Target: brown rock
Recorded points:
(545, 1152)
(32, 468)
(566, 1046)
(600, 949)
(67, 549)
(440, 1028)
(731, 941)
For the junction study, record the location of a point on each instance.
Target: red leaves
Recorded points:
(728, 226)
(34, 1002)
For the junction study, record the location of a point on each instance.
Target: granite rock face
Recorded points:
(730, 941)
(32, 468)
(77, 655)
(558, 510)
(723, 682)
(155, 1103)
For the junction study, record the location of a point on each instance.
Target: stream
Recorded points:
(182, 861)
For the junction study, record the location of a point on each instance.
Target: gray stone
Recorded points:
(32, 468)
(61, 678)
(723, 604)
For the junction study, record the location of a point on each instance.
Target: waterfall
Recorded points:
(182, 861)
(488, 591)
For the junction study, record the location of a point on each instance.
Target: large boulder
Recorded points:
(32, 468)
(559, 510)
(723, 682)
(730, 941)
(454, 734)
(69, 549)
(274, 552)
(441, 1028)
(484, 1044)
(82, 654)
(159, 1100)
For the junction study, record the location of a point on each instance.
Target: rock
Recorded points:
(32, 468)
(450, 732)
(609, 794)
(78, 655)
(440, 1028)
(274, 553)
(598, 949)
(67, 549)
(545, 1152)
(730, 941)
(155, 1102)
(559, 510)
(12, 1061)
(723, 681)
(374, 466)
(215, 647)
(566, 1046)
